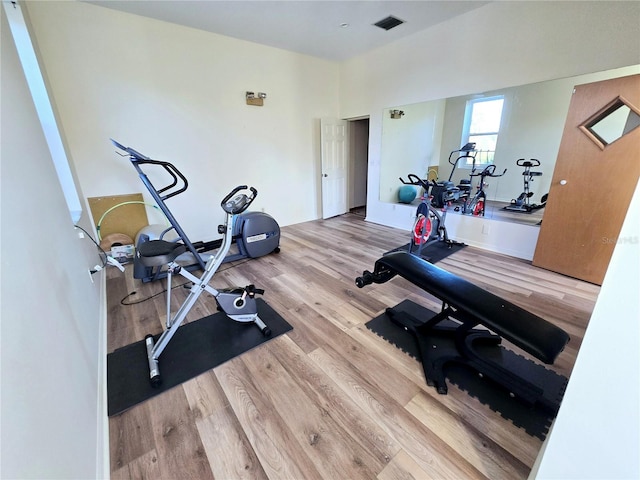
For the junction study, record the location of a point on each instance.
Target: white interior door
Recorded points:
(334, 166)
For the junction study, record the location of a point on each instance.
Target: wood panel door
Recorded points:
(334, 166)
(593, 181)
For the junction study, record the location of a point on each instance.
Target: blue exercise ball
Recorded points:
(406, 194)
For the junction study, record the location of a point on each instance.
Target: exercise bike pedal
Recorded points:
(253, 291)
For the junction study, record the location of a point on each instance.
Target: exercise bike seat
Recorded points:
(156, 253)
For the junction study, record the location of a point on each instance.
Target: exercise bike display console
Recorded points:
(254, 233)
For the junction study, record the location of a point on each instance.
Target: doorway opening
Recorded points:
(358, 165)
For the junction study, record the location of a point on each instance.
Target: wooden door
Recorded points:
(334, 167)
(593, 181)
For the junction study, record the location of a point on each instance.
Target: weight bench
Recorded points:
(466, 306)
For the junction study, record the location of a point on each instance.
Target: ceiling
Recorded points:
(331, 29)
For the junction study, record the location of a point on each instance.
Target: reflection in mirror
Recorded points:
(616, 121)
(531, 126)
(410, 144)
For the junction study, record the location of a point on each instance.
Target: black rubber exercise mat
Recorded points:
(434, 252)
(195, 348)
(534, 420)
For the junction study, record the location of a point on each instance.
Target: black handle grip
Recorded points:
(416, 180)
(138, 159)
(172, 170)
(532, 162)
(232, 193)
(489, 171)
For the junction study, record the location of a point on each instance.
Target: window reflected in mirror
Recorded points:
(481, 126)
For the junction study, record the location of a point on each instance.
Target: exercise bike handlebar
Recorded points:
(532, 162)
(416, 180)
(489, 171)
(235, 204)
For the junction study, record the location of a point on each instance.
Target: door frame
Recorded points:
(350, 170)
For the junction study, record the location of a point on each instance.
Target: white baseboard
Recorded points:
(103, 468)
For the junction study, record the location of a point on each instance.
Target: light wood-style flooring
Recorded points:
(330, 399)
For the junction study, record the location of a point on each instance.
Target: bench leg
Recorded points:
(434, 358)
(442, 341)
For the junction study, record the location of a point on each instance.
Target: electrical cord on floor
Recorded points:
(124, 302)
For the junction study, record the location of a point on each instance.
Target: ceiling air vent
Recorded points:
(389, 22)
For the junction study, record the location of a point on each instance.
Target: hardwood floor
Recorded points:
(330, 399)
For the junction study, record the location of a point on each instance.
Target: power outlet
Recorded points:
(485, 229)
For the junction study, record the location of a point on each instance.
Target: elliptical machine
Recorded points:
(522, 203)
(441, 191)
(238, 303)
(254, 233)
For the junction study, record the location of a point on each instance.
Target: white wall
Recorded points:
(51, 313)
(597, 432)
(178, 94)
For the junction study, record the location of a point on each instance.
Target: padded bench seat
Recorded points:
(530, 332)
(466, 306)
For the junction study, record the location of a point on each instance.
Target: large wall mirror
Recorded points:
(419, 139)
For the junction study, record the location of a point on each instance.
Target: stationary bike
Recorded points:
(429, 224)
(522, 203)
(476, 204)
(238, 303)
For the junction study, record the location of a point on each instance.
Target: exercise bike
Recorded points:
(476, 204)
(238, 303)
(429, 224)
(522, 203)
(254, 233)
